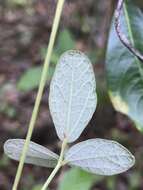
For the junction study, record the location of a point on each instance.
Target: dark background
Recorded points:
(24, 34)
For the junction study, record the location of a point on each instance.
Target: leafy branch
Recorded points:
(121, 36)
(72, 103)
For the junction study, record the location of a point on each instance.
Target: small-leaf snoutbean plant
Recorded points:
(72, 102)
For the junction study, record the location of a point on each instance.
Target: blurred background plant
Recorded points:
(24, 34)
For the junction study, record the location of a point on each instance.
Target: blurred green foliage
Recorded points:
(77, 179)
(4, 161)
(37, 187)
(16, 2)
(111, 182)
(135, 180)
(31, 78)
(65, 41)
(73, 179)
(8, 110)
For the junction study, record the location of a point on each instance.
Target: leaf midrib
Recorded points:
(70, 102)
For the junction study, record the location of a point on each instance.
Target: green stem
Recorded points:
(59, 164)
(40, 91)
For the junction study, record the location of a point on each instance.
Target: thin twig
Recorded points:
(55, 26)
(121, 36)
(59, 164)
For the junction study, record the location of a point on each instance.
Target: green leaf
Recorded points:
(76, 179)
(65, 42)
(124, 71)
(72, 97)
(31, 78)
(139, 3)
(100, 156)
(36, 155)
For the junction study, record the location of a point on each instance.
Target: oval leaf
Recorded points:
(125, 71)
(100, 156)
(37, 154)
(72, 98)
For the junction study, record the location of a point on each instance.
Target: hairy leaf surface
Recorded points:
(37, 154)
(125, 71)
(100, 156)
(72, 98)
